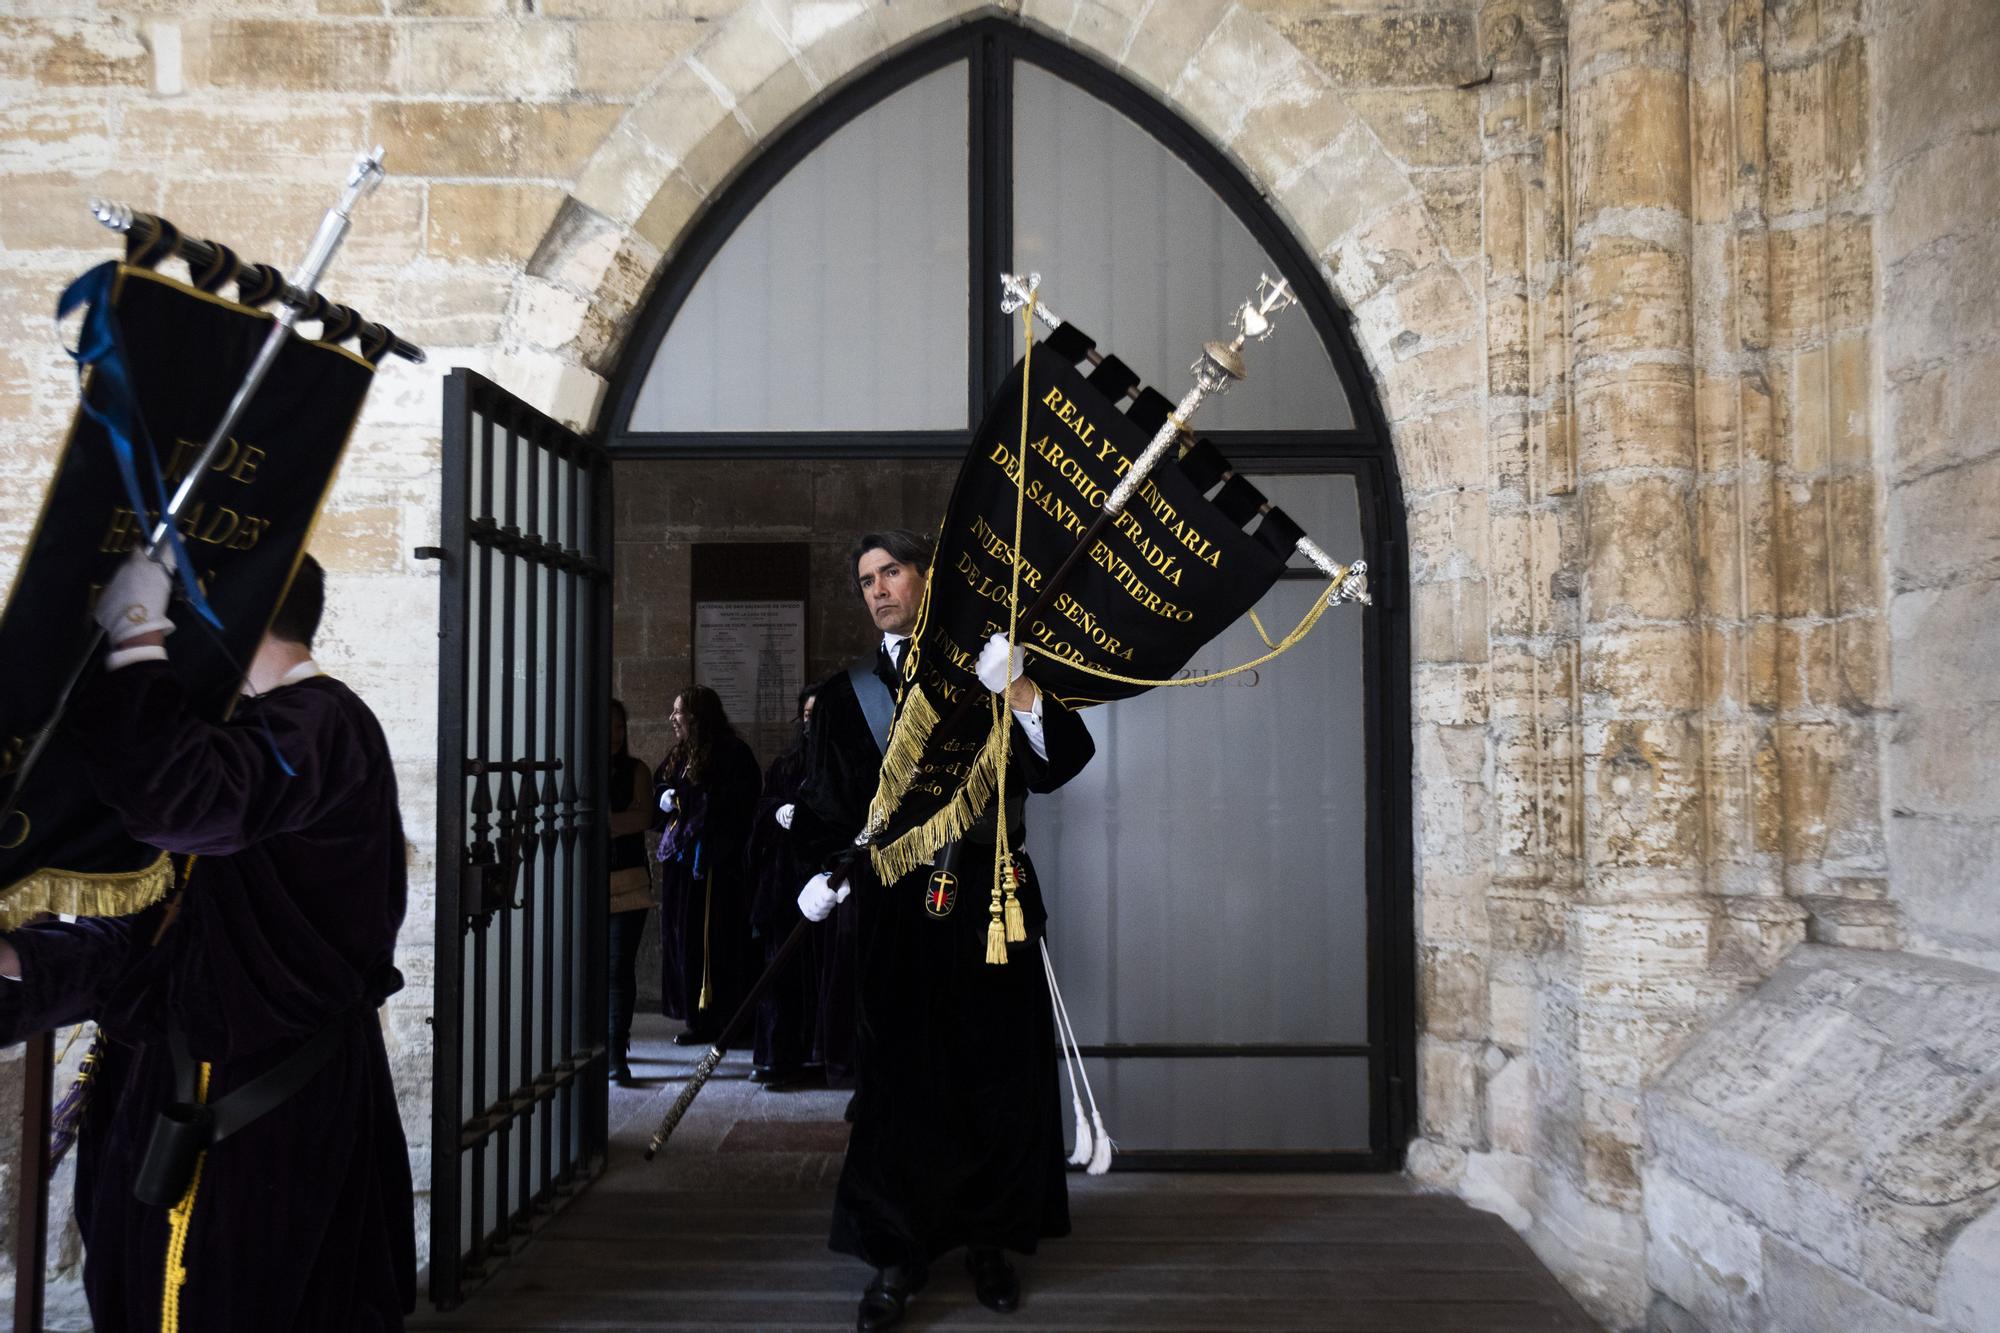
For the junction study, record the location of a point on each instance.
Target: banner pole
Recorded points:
(362, 178)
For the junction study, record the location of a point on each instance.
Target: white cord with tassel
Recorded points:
(1101, 1146)
(1081, 1154)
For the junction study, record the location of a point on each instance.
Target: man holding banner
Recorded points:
(242, 1162)
(957, 1134)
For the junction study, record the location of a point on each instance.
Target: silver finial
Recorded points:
(1254, 319)
(118, 217)
(1015, 293)
(1352, 587)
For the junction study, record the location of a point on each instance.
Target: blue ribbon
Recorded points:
(102, 348)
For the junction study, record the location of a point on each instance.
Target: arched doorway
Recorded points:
(1233, 914)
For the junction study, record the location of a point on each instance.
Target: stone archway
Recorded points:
(1225, 70)
(1281, 121)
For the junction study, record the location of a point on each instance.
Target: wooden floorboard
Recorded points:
(726, 1232)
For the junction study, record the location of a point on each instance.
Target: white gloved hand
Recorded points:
(785, 813)
(667, 801)
(135, 601)
(817, 899)
(996, 672)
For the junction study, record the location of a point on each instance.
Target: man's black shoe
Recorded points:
(621, 1072)
(775, 1076)
(692, 1039)
(994, 1280)
(883, 1303)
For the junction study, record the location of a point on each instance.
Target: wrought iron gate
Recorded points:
(519, 1113)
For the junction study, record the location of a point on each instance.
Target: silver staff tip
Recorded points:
(1253, 320)
(367, 171)
(1353, 586)
(116, 216)
(1015, 292)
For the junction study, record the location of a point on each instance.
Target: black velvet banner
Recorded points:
(1169, 574)
(243, 529)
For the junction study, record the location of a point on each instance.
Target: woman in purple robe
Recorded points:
(706, 795)
(283, 930)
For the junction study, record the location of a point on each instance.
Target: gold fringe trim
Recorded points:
(908, 735)
(82, 893)
(919, 845)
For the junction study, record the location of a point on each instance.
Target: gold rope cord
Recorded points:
(1007, 926)
(83, 893)
(179, 1220)
(1280, 648)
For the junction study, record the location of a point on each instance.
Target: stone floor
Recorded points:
(727, 1229)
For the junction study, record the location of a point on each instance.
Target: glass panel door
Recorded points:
(1207, 880)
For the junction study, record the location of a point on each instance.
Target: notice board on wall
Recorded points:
(750, 634)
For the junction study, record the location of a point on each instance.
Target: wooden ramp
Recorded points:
(727, 1229)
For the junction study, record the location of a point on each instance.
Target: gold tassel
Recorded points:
(996, 933)
(83, 893)
(1017, 923)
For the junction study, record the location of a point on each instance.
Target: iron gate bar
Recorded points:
(503, 1051)
(547, 1085)
(529, 801)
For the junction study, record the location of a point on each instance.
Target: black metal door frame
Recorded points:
(519, 1099)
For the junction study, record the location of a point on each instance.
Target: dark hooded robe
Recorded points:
(788, 1016)
(286, 924)
(958, 1135)
(707, 961)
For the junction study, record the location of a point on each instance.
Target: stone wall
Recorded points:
(1937, 138)
(1679, 314)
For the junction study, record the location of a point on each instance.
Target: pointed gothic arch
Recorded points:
(1359, 446)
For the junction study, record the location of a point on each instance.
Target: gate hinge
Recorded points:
(429, 553)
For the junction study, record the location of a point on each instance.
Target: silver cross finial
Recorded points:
(1015, 293)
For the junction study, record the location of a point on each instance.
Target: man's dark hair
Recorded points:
(904, 547)
(297, 619)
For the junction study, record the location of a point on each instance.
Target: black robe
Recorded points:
(705, 886)
(788, 1018)
(287, 923)
(958, 1135)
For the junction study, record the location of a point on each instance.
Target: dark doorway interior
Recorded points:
(670, 509)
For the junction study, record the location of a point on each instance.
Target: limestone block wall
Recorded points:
(1937, 137)
(1678, 311)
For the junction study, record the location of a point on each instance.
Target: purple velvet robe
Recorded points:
(286, 923)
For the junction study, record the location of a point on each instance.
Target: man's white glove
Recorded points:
(996, 672)
(817, 898)
(135, 601)
(667, 801)
(785, 813)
